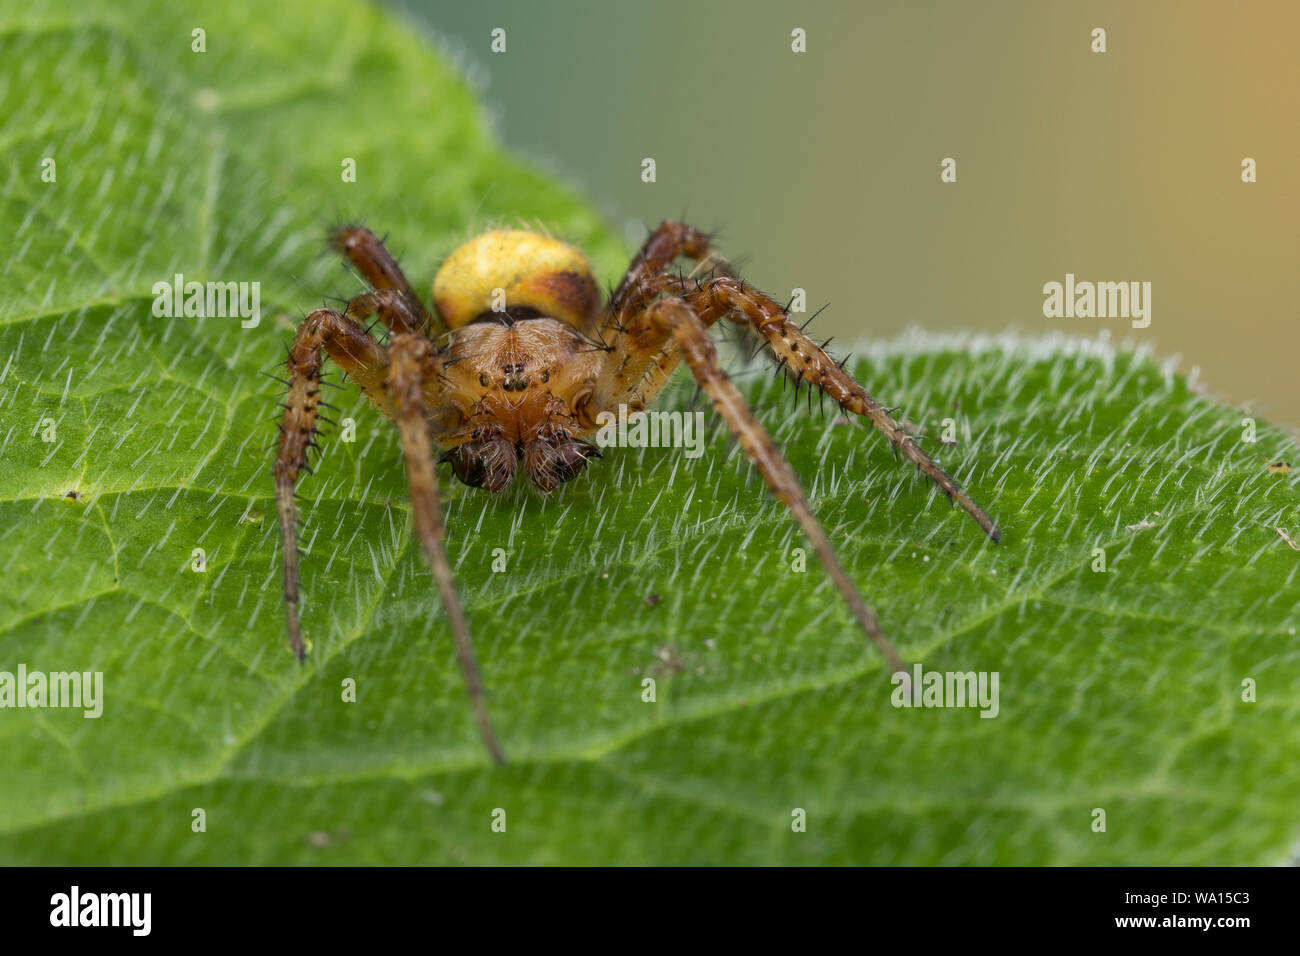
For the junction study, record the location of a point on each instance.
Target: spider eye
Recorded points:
(488, 464)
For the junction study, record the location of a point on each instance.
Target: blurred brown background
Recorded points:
(822, 168)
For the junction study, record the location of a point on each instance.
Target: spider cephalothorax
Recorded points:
(513, 368)
(516, 390)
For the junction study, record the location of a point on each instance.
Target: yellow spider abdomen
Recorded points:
(519, 274)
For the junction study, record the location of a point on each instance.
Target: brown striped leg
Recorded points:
(727, 296)
(378, 267)
(668, 243)
(675, 317)
(641, 356)
(414, 362)
(663, 247)
(362, 359)
(398, 310)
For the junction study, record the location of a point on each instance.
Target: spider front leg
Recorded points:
(398, 310)
(675, 317)
(728, 296)
(377, 266)
(414, 363)
(669, 242)
(362, 359)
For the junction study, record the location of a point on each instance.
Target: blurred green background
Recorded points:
(822, 168)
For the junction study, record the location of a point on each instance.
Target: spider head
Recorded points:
(519, 274)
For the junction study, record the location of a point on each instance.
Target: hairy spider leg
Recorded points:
(641, 365)
(394, 380)
(675, 317)
(362, 359)
(398, 310)
(727, 296)
(415, 361)
(669, 242)
(377, 266)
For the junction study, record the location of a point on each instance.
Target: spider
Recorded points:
(519, 356)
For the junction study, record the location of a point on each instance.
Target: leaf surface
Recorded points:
(1120, 690)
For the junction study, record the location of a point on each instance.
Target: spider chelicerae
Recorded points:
(515, 363)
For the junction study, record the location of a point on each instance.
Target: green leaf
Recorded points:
(1120, 690)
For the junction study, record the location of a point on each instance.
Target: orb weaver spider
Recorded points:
(513, 366)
